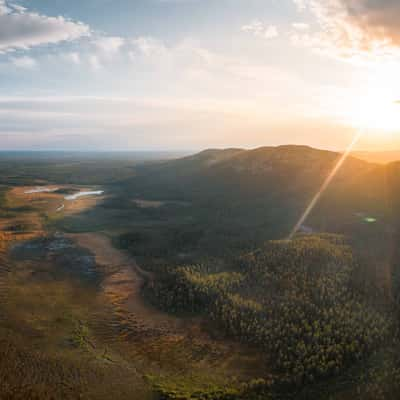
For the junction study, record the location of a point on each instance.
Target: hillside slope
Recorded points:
(273, 182)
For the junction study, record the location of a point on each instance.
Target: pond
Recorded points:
(84, 194)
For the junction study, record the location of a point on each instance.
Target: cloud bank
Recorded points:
(21, 29)
(353, 27)
(377, 19)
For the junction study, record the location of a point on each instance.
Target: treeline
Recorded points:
(294, 300)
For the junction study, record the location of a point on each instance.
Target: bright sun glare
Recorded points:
(376, 108)
(378, 115)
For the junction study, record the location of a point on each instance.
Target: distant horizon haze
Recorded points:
(378, 157)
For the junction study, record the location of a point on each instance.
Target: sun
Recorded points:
(376, 108)
(377, 114)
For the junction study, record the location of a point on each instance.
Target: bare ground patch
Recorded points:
(166, 341)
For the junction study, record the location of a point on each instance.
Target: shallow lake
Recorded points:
(84, 194)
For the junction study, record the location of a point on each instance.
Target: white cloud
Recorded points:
(18, 8)
(24, 62)
(21, 29)
(109, 44)
(271, 32)
(149, 46)
(4, 9)
(301, 26)
(259, 29)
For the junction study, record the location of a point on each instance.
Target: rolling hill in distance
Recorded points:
(243, 198)
(286, 176)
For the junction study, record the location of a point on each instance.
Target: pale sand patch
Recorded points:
(30, 192)
(122, 288)
(41, 189)
(80, 205)
(123, 285)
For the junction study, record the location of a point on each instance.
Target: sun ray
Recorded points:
(325, 185)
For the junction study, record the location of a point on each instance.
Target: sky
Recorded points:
(194, 74)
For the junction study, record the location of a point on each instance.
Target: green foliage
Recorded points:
(294, 300)
(173, 388)
(81, 336)
(191, 289)
(382, 385)
(4, 209)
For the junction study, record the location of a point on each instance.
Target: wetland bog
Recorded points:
(74, 321)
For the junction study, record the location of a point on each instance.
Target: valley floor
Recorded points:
(75, 300)
(124, 280)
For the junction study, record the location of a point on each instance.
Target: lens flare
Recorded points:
(325, 185)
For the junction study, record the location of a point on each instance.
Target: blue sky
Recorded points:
(191, 74)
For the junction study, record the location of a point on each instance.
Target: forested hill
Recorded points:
(286, 167)
(270, 184)
(260, 160)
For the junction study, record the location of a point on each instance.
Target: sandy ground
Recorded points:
(123, 284)
(122, 288)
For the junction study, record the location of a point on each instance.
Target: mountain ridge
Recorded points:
(212, 157)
